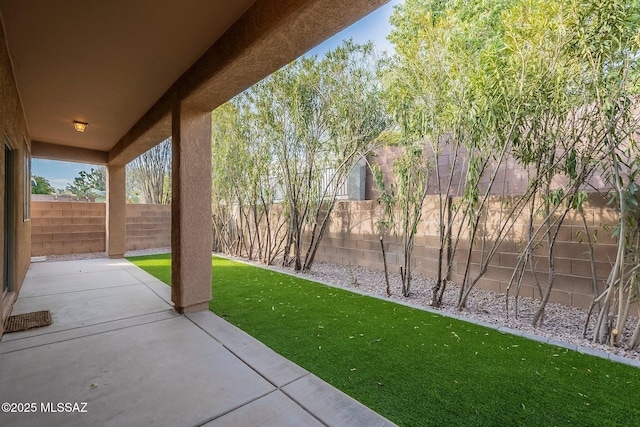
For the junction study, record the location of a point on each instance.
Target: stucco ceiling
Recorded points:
(104, 62)
(122, 65)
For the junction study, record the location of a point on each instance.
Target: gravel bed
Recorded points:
(561, 323)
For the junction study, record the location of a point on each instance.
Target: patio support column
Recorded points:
(191, 235)
(116, 211)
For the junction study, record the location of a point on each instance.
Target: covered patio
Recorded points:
(101, 84)
(117, 349)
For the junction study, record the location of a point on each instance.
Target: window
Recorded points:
(27, 182)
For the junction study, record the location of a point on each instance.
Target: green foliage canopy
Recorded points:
(89, 185)
(294, 137)
(42, 186)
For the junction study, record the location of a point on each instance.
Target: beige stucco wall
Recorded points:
(79, 227)
(13, 132)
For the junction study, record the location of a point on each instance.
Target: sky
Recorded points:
(374, 26)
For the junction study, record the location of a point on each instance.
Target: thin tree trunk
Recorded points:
(386, 271)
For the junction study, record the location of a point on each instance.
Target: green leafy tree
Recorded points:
(551, 86)
(226, 157)
(294, 138)
(428, 92)
(325, 116)
(42, 186)
(438, 89)
(245, 219)
(89, 185)
(606, 38)
(402, 202)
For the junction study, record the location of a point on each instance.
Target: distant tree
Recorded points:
(149, 175)
(89, 185)
(42, 186)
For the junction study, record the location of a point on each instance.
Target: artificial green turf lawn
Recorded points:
(414, 367)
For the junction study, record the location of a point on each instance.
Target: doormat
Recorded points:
(22, 322)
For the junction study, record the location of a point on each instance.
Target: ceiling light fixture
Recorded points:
(80, 126)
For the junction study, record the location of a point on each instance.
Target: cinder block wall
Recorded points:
(573, 284)
(352, 238)
(59, 228)
(148, 226)
(510, 179)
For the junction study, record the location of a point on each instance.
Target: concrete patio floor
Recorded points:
(116, 344)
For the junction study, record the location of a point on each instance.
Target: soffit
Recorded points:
(104, 62)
